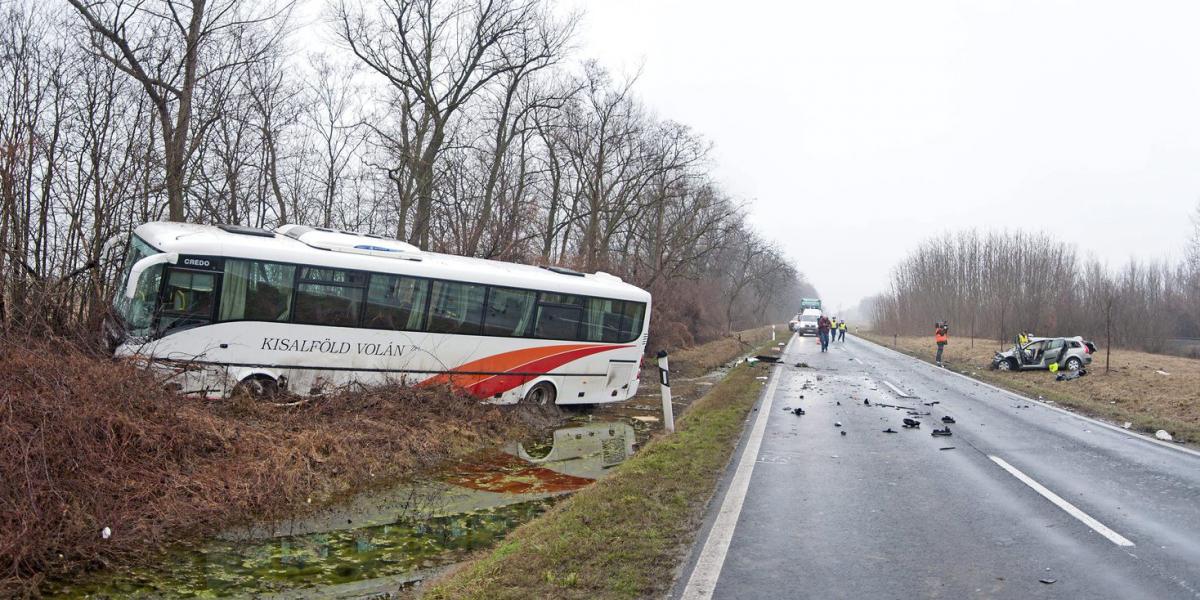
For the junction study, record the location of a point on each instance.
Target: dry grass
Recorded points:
(1131, 392)
(698, 360)
(88, 443)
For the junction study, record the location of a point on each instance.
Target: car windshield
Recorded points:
(808, 319)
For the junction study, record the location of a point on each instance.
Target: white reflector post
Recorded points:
(664, 380)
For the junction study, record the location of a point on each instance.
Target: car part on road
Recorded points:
(866, 401)
(943, 432)
(837, 423)
(911, 423)
(1163, 435)
(798, 411)
(843, 432)
(946, 448)
(890, 430)
(948, 419)
(1047, 581)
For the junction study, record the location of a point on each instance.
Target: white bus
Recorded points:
(308, 309)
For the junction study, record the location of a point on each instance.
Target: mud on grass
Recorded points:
(1133, 391)
(87, 442)
(623, 536)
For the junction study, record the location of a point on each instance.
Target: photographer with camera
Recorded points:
(941, 335)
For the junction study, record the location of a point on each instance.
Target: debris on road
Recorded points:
(948, 419)
(932, 403)
(946, 448)
(837, 423)
(943, 432)
(1047, 581)
(767, 358)
(866, 401)
(1127, 425)
(802, 365)
(911, 423)
(1163, 435)
(1162, 372)
(798, 411)
(890, 430)
(843, 432)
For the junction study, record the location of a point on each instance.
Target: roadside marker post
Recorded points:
(664, 381)
(772, 333)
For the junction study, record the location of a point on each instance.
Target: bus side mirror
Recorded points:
(135, 273)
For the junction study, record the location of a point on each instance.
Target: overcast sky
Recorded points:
(859, 128)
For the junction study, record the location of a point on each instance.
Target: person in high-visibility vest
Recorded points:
(842, 331)
(1023, 338)
(941, 335)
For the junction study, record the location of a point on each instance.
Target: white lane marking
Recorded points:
(703, 581)
(1071, 509)
(1132, 434)
(899, 392)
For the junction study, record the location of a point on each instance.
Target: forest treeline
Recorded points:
(996, 284)
(463, 126)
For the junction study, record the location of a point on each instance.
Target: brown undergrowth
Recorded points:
(88, 443)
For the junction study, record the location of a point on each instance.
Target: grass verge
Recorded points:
(1132, 391)
(623, 536)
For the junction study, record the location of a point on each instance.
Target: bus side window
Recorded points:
(329, 297)
(456, 308)
(509, 312)
(256, 291)
(395, 302)
(558, 316)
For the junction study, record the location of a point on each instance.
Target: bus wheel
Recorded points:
(259, 387)
(542, 394)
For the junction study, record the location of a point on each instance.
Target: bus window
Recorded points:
(632, 316)
(329, 297)
(187, 299)
(396, 302)
(256, 291)
(456, 308)
(613, 320)
(558, 316)
(509, 312)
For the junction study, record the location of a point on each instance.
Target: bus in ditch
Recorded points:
(308, 310)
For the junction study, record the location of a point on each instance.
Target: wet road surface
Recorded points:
(1022, 501)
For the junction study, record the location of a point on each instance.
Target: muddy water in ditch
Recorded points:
(378, 542)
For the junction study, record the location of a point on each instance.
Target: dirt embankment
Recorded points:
(1149, 391)
(98, 464)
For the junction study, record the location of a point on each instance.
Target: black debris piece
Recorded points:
(839, 402)
(889, 430)
(867, 401)
(837, 423)
(946, 448)
(767, 358)
(1047, 581)
(798, 411)
(843, 432)
(943, 432)
(802, 365)
(911, 423)
(948, 419)
(932, 403)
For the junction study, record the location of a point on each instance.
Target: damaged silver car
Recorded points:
(1070, 353)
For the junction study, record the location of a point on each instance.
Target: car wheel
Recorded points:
(258, 387)
(542, 394)
(1074, 364)
(1007, 365)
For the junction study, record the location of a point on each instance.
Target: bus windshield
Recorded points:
(138, 312)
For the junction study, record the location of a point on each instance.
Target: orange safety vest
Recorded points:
(939, 335)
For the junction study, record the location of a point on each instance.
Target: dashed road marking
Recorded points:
(1058, 501)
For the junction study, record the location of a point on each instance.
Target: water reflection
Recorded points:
(382, 537)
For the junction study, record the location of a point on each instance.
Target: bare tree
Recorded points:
(172, 49)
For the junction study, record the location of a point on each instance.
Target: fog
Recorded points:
(857, 129)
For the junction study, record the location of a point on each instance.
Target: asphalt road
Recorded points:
(895, 515)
